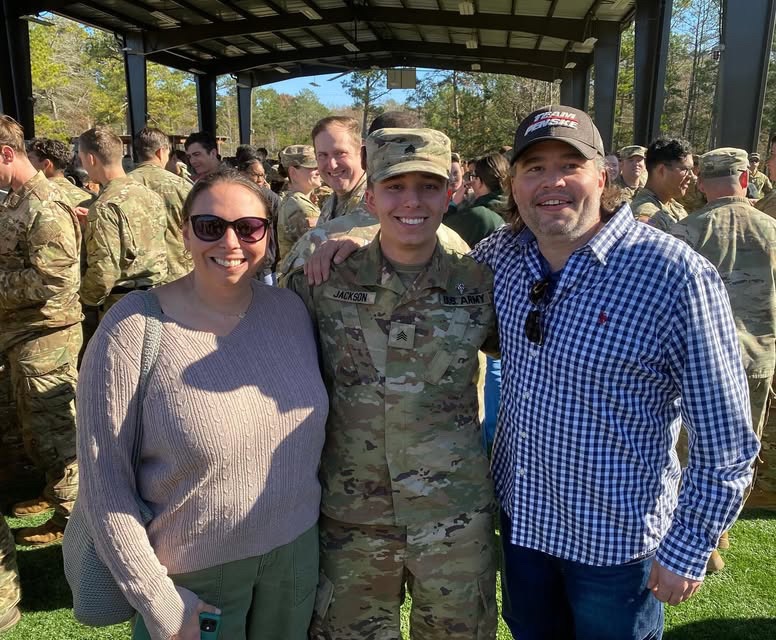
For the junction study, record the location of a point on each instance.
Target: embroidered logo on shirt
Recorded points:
(602, 317)
(460, 288)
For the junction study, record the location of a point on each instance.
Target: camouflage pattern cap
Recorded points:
(633, 150)
(298, 155)
(754, 157)
(559, 122)
(393, 152)
(722, 162)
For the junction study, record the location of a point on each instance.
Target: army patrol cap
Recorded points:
(298, 155)
(722, 162)
(559, 122)
(633, 150)
(754, 157)
(393, 152)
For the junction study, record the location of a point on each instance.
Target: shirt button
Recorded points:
(533, 353)
(521, 472)
(523, 434)
(526, 395)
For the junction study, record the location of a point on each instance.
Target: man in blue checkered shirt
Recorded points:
(613, 334)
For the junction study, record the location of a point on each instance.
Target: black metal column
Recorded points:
(15, 71)
(574, 88)
(244, 89)
(653, 23)
(747, 33)
(606, 59)
(136, 79)
(206, 103)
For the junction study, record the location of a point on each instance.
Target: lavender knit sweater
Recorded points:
(232, 436)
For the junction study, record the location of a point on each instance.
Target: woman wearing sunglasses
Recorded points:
(232, 429)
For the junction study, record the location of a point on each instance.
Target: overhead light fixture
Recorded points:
(351, 47)
(466, 8)
(309, 12)
(570, 65)
(37, 20)
(281, 70)
(476, 66)
(472, 43)
(198, 72)
(590, 42)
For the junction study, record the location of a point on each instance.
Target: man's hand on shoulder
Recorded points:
(337, 250)
(670, 587)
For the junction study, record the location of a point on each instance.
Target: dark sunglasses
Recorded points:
(210, 228)
(533, 322)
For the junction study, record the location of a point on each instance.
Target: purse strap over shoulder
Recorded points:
(151, 339)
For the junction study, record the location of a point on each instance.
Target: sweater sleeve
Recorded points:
(107, 410)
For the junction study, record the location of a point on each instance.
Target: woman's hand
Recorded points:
(190, 628)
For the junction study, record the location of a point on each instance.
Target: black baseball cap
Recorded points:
(559, 122)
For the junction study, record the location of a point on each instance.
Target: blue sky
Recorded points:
(331, 92)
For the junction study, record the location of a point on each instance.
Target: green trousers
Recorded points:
(267, 597)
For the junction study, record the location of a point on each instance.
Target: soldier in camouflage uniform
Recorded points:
(52, 157)
(633, 171)
(297, 213)
(669, 167)
(125, 228)
(40, 330)
(407, 494)
(693, 199)
(337, 142)
(759, 184)
(10, 589)
(152, 147)
(741, 243)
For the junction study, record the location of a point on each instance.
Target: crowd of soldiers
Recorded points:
(67, 254)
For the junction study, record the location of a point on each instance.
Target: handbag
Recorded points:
(97, 599)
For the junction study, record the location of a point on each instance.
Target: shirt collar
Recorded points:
(602, 243)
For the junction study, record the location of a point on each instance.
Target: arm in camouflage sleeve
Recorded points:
(296, 281)
(103, 250)
(54, 250)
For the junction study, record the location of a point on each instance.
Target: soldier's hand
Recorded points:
(318, 266)
(670, 587)
(81, 213)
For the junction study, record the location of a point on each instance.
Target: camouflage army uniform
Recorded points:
(125, 243)
(626, 191)
(767, 204)
(762, 185)
(173, 191)
(693, 199)
(10, 589)
(296, 217)
(741, 243)
(75, 197)
(406, 490)
(661, 216)
(40, 331)
(336, 206)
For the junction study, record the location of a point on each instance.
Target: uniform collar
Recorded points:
(15, 198)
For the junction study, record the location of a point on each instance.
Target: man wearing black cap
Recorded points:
(613, 334)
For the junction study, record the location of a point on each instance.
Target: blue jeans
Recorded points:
(547, 598)
(492, 400)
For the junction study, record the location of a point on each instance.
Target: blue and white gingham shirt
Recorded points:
(639, 338)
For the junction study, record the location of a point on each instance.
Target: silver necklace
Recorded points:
(218, 311)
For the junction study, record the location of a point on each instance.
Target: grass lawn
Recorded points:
(737, 604)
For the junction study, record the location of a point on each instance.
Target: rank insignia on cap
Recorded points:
(460, 288)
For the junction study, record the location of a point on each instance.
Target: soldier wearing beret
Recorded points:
(407, 494)
(740, 242)
(297, 213)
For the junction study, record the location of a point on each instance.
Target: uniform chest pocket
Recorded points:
(457, 354)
